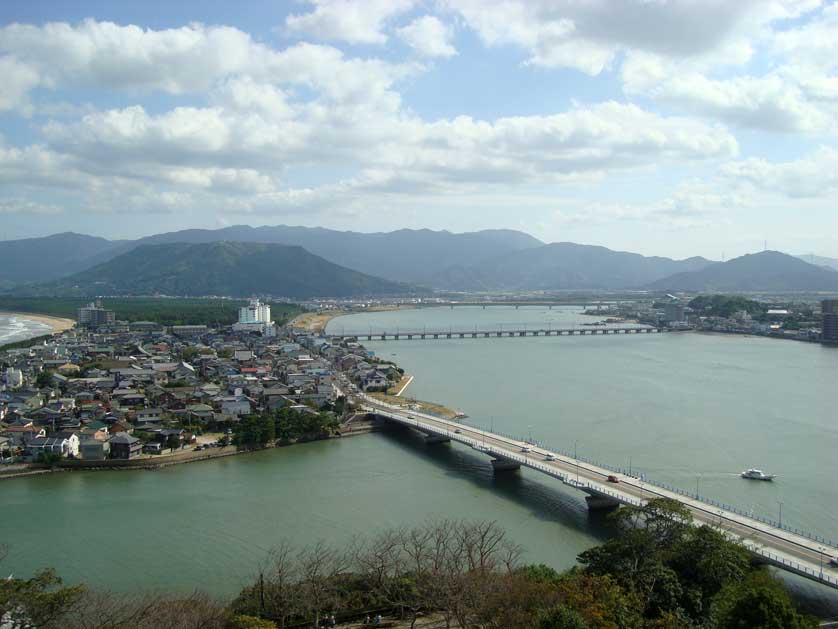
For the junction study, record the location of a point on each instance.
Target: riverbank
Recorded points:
(158, 461)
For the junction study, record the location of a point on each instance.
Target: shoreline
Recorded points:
(57, 324)
(319, 320)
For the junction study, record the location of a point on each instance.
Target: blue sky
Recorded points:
(667, 127)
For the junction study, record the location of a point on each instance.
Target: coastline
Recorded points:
(58, 324)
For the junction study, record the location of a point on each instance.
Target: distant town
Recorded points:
(109, 391)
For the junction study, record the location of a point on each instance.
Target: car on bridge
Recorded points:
(833, 561)
(526, 449)
(612, 479)
(550, 457)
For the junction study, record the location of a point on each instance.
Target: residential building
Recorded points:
(255, 317)
(94, 315)
(124, 446)
(829, 324)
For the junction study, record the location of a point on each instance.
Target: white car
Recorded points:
(833, 561)
(526, 449)
(550, 457)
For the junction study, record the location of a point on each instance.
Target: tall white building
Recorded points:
(255, 317)
(14, 378)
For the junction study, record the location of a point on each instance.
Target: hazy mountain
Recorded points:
(404, 255)
(220, 268)
(830, 263)
(39, 259)
(563, 266)
(764, 271)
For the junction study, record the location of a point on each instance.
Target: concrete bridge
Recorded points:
(423, 335)
(791, 550)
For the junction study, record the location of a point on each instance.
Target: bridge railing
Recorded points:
(793, 565)
(662, 485)
(671, 488)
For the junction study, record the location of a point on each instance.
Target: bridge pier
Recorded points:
(432, 440)
(503, 465)
(601, 503)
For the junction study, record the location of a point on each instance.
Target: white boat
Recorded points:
(755, 474)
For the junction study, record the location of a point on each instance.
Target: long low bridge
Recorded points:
(396, 335)
(788, 549)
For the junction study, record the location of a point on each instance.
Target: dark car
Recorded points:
(612, 479)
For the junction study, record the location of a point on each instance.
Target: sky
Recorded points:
(665, 127)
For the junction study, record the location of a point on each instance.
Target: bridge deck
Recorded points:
(779, 547)
(385, 335)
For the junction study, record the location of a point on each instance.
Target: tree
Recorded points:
(560, 617)
(173, 442)
(44, 379)
(40, 601)
(758, 601)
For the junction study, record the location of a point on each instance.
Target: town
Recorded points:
(109, 392)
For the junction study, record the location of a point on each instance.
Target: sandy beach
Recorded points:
(56, 323)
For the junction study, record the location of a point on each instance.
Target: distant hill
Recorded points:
(830, 263)
(563, 266)
(767, 271)
(39, 259)
(405, 255)
(231, 269)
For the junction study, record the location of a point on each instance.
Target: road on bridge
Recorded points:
(758, 536)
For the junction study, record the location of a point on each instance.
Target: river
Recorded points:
(681, 408)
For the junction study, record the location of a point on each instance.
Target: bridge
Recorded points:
(396, 335)
(785, 548)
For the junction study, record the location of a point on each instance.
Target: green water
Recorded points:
(679, 406)
(209, 524)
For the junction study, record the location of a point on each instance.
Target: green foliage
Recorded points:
(560, 617)
(35, 340)
(163, 310)
(44, 379)
(173, 442)
(292, 425)
(726, 305)
(37, 602)
(758, 601)
(254, 431)
(540, 573)
(251, 622)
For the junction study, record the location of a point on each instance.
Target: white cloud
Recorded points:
(429, 37)
(352, 21)
(18, 80)
(587, 36)
(191, 59)
(809, 177)
(26, 206)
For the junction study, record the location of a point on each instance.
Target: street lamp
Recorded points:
(696, 486)
(780, 502)
(820, 550)
(529, 431)
(576, 458)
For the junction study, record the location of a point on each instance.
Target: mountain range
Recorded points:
(490, 261)
(767, 271)
(232, 269)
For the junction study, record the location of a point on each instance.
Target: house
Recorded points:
(374, 379)
(153, 447)
(148, 415)
(59, 445)
(124, 446)
(94, 450)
